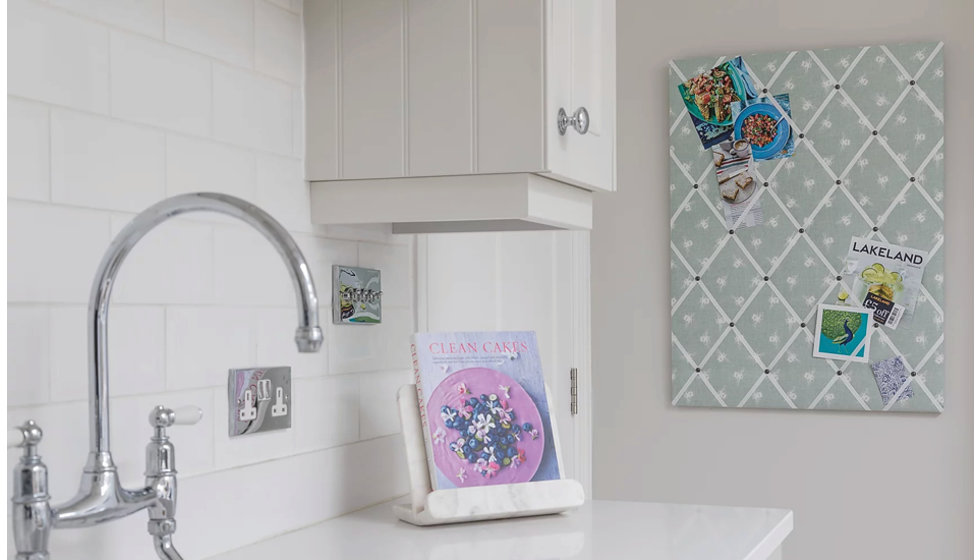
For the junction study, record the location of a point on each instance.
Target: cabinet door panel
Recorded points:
(322, 83)
(372, 89)
(582, 73)
(510, 85)
(440, 87)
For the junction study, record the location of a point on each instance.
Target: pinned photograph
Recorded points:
(842, 333)
(709, 97)
(734, 168)
(884, 277)
(762, 123)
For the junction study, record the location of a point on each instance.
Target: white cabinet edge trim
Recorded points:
(505, 201)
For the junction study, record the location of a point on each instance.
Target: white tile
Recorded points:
(28, 150)
(299, 123)
(253, 111)
(378, 407)
(68, 332)
(361, 348)
(283, 192)
(141, 16)
(275, 345)
(64, 447)
(325, 411)
(218, 28)
(159, 84)
(248, 449)
(395, 264)
(248, 270)
(321, 254)
(313, 487)
(195, 165)
(53, 252)
(172, 264)
(203, 343)
(59, 58)
(28, 354)
(136, 351)
(278, 42)
(104, 163)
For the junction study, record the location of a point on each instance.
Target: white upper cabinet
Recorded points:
(401, 89)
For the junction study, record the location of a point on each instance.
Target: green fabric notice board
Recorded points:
(806, 193)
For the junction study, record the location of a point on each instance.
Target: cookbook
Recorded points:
(485, 413)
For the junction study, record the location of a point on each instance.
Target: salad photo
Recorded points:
(709, 96)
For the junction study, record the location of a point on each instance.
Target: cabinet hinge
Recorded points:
(574, 385)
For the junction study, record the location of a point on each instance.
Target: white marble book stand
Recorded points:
(437, 507)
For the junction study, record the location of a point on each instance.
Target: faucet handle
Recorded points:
(163, 417)
(27, 435)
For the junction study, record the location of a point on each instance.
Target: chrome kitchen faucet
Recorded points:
(101, 497)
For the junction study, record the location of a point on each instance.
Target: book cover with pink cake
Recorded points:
(484, 409)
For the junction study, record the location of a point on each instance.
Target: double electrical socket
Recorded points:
(259, 400)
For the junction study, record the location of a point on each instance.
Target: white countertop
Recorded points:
(598, 530)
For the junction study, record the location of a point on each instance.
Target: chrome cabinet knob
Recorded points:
(579, 121)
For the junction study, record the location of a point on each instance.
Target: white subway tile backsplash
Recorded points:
(28, 150)
(159, 84)
(252, 110)
(68, 335)
(299, 123)
(136, 352)
(275, 344)
(325, 411)
(195, 165)
(395, 264)
(203, 343)
(364, 348)
(334, 481)
(105, 163)
(218, 28)
(378, 408)
(282, 191)
(321, 254)
(141, 16)
(28, 354)
(53, 252)
(173, 264)
(56, 57)
(248, 270)
(277, 52)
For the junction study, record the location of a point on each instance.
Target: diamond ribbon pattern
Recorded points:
(868, 162)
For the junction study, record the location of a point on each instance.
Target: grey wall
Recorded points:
(895, 486)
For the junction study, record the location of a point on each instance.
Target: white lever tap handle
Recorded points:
(188, 415)
(15, 438)
(163, 417)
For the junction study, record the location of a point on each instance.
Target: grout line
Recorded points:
(144, 125)
(136, 33)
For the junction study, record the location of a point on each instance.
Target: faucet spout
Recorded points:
(100, 497)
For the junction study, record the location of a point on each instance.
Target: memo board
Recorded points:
(830, 152)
